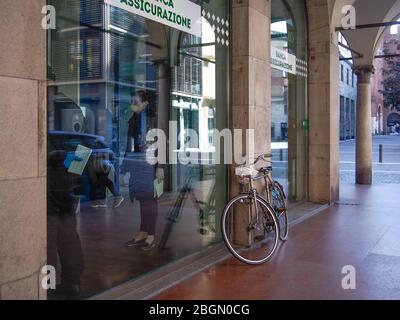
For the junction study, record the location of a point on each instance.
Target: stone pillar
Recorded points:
(324, 109)
(251, 71)
(363, 127)
(23, 145)
(251, 77)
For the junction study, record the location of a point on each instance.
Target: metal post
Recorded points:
(281, 155)
(380, 153)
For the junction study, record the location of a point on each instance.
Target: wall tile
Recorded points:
(23, 41)
(22, 228)
(19, 128)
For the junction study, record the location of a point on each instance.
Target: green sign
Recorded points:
(283, 60)
(183, 15)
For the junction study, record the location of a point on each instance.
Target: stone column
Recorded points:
(251, 78)
(251, 72)
(23, 145)
(363, 127)
(324, 108)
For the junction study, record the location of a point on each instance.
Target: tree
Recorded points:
(391, 83)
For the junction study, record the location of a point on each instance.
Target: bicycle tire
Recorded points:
(271, 220)
(279, 205)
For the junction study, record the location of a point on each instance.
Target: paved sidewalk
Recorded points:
(362, 230)
(387, 172)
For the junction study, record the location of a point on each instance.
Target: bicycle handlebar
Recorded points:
(263, 157)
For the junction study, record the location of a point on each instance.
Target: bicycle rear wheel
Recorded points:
(279, 205)
(251, 240)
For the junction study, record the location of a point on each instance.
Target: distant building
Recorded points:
(347, 94)
(377, 122)
(384, 120)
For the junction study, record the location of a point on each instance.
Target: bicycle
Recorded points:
(252, 224)
(206, 208)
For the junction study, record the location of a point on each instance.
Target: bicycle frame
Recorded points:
(268, 182)
(252, 192)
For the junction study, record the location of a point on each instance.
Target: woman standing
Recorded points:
(142, 174)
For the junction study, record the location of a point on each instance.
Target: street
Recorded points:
(387, 172)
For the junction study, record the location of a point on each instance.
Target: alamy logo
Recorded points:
(49, 277)
(49, 20)
(349, 17)
(349, 280)
(231, 150)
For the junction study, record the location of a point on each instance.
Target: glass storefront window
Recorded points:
(112, 77)
(289, 97)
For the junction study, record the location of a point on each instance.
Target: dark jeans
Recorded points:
(100, 179)
(148, 215)
(104, 181)
(63, 238)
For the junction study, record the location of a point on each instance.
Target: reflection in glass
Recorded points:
(289, 99)
(112, 77)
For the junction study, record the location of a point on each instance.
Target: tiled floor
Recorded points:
(362, 230)
(107, 263)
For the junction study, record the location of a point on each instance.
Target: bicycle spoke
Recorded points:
(250, 238)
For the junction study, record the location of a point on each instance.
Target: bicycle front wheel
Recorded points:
(250, 229)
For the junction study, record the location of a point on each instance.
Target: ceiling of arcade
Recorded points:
(364, 40)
